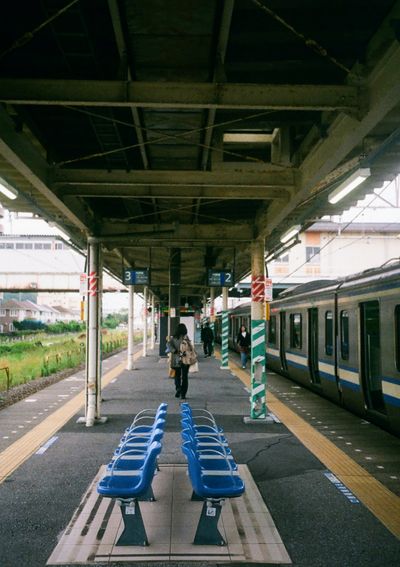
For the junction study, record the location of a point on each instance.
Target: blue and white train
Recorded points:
(341, 339)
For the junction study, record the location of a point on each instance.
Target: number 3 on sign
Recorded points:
(128, 275)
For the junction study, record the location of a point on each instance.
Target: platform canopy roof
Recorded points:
(152, 125)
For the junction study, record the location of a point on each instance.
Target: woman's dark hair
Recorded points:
(180, 331)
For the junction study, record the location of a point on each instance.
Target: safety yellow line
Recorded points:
(17, 453)
(383, 503)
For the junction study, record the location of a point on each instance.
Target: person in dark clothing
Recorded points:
(207, 338)
(243, 341)
(177, 362)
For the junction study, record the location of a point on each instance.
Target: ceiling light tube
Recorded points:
(349, 184)
(290, 233)
(7, 190)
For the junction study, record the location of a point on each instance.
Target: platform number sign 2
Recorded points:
(220, 278)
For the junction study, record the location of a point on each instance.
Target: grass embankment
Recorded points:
(23, 361)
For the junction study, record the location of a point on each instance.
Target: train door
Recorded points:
(313, 345)
(282, 340)
(370, 356)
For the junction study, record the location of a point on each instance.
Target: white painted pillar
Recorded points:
(93, 335)
(130, 365)
(146, 293)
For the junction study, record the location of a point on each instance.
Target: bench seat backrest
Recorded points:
(131, 486)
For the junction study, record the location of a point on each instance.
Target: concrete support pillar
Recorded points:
(174, 289)
(225, 330)
(258, 408)
(146, 299)
(131, 332)
(93, 336)
(152, 320)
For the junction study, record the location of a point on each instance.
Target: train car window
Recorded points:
(397, 335)
(344, 334)
(295, 330)
(329, 333)
(272, 330)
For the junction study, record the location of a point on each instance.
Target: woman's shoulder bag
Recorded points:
(189, 355)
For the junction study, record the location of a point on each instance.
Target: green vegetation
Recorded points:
(57, 328)
(23, 361)
(113, 320)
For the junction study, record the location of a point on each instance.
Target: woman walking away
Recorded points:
(178, 360)
(243, 341)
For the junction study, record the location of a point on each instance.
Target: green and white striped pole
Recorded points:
(258, 408)
(225, 330)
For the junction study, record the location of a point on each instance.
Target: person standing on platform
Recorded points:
(177, 360)
(243, 341)
(207, 338)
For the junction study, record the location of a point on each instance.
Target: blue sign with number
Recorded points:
(218, 278)
(136, 277)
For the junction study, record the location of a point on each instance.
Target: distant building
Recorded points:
(35, 262)
(13, 310)
(327, 251)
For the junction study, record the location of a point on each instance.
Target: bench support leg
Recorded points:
(148, 496)
(207, 532)
(134, 531)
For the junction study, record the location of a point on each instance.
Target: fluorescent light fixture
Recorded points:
(7, 190)
(283, 249)
(290, 233)
(60, 231)
(247, 138)
(349, 184)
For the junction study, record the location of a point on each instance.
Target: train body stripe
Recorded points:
(326, 368)
(301, 360)
(350, 385)
(273, 351)
(349, 376)
(390, 400)
(390, 389)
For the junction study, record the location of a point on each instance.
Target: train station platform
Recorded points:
(313, 497)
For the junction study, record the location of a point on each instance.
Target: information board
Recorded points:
(218, 278)
(136, 277)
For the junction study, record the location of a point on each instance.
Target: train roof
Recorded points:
(390, 269)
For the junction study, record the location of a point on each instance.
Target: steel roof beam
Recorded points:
(136, 192)
(270, 177)
(30, 164)
(179, 95)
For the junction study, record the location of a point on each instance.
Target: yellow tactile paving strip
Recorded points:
(377, 498)
(13, 457)
(170, 523)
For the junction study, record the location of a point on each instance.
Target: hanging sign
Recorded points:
(220, 278)
(268, 289)
(136, 277)
(82, 284)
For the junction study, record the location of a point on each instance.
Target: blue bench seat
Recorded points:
(213, 474)
(127, 485)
